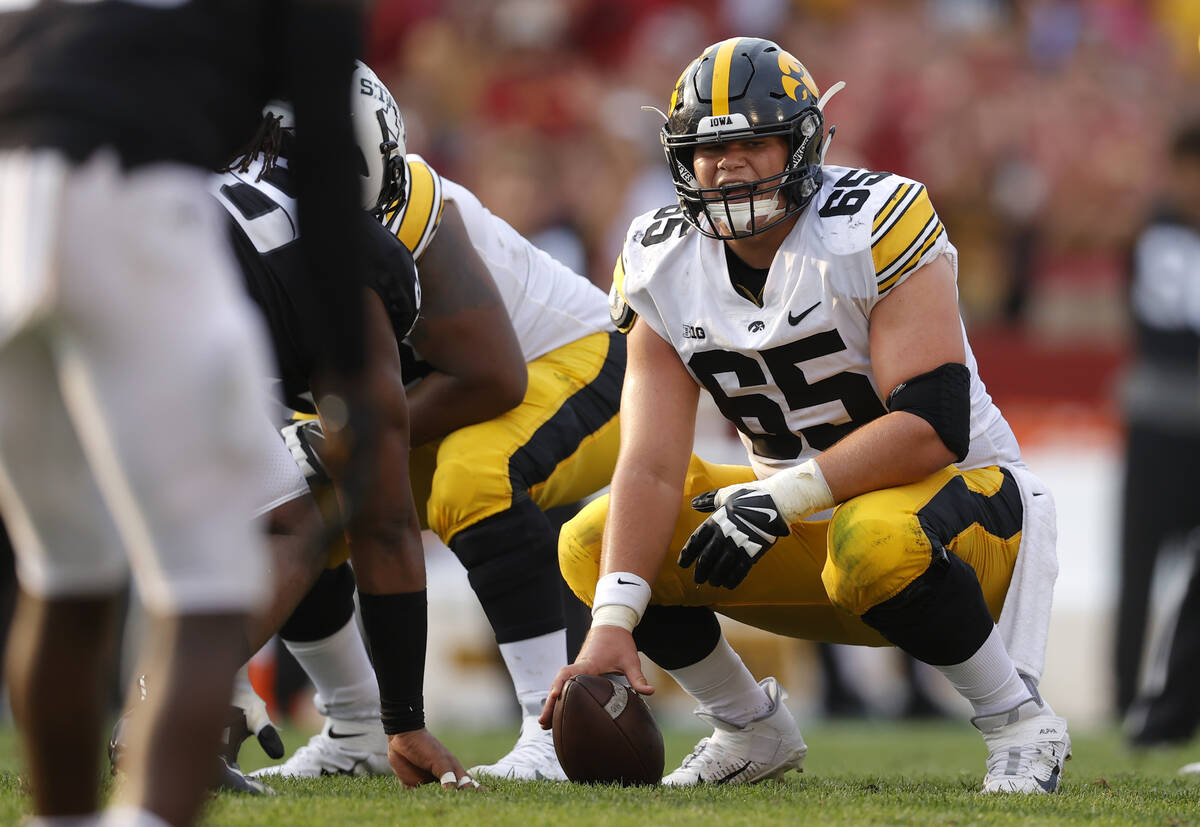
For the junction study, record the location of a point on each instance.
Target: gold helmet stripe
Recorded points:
(721, 65)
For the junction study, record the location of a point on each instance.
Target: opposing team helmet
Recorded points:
(379, 133)
(379, 130)
(740, 88)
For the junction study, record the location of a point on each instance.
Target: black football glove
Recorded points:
(742, 527)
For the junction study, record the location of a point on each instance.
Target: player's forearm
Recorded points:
(440, 404)
(896, 449)
(642, 511)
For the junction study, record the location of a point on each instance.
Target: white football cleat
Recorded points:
(1190, 769)
(1027, 746)
(767, 747)
(343, 747)
(532, 758)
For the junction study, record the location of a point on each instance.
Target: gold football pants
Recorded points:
(558, 446)
(818, 581)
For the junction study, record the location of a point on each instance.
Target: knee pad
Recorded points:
(327, 607)
(941, 617)
(510, 564)
(677, 636)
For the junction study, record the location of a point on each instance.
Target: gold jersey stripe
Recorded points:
(720, 87)
(890, 205)
(887, 283)
(904, 231)
(622, 315)
(416, 222)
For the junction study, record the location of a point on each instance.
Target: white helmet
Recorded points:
(379, 133)
(379, 130)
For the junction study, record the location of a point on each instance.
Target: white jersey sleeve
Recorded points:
(653, 251)
(416, 222)
(880, 226)
(549, 304)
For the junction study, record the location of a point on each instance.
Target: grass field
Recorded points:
(863, 773)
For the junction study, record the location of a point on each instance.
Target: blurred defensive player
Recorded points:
(817, 305)
(384, 538)
(128, 352)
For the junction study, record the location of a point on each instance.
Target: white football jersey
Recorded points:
(794, 375)
(550, 305)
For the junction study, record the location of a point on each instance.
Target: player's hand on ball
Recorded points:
(607, 650)
(417, 758)
(745, 523)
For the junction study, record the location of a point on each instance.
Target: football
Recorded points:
(604, 734)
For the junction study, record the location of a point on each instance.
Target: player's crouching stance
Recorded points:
(818, 307)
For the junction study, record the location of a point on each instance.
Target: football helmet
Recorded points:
(736, 89)
(379, 133)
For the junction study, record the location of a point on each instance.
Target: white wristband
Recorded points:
(799, 492)
(620, 589)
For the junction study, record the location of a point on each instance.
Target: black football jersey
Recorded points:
(265, 231)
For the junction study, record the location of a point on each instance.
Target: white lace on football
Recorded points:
(531, 759)
(343, 747)
(767, 747)
(1026, 749)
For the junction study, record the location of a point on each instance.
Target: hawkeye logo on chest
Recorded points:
(693, 331)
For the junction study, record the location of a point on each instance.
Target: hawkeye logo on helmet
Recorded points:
(720, 123)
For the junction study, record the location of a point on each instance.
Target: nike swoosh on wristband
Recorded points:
(795, 320)
(626, 582)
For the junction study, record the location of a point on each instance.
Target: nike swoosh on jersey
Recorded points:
(335, 734)
(795, 320)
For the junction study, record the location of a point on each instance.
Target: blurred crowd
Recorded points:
(1039, 126)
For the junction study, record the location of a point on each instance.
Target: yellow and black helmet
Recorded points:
(738, 88)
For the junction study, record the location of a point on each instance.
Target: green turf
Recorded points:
(867, 773)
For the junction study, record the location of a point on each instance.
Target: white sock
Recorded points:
(125, 815)
(988, 679)
(532, 664)
(723, 685)
(341, 671)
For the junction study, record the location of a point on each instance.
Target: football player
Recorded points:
(128, 353)
(885, 502)
(383, 533)
(486, 464)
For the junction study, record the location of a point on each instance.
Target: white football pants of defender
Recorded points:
(132, 368)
